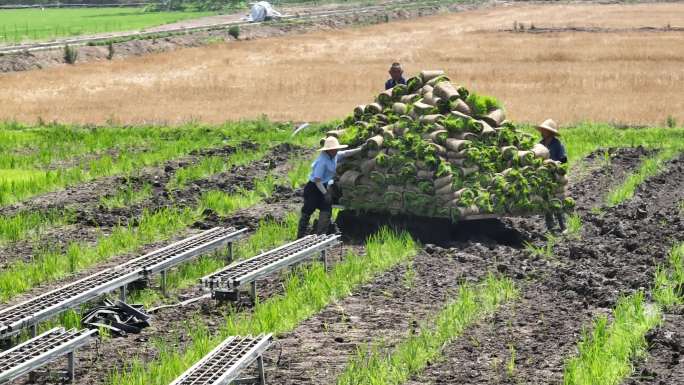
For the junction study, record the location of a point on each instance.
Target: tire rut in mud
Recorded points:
(617, 255)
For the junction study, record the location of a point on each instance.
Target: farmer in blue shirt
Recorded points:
(317, 194)
(550, 134)
(396, 73)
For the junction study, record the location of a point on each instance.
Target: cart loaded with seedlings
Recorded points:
(434, 149)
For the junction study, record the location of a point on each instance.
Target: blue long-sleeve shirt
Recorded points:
(556, 150)
(325, 166)
(391, 83)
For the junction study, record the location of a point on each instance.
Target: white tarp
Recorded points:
(262, 10)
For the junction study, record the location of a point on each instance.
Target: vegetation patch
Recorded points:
(414, 353)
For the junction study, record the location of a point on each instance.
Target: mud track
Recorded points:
(617, 255)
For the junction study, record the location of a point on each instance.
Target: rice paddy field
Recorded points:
(499, 301)
(20, 25)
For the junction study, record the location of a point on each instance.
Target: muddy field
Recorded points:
(615, 255)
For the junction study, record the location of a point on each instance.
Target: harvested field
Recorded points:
(536, 76)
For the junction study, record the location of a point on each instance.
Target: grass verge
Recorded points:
(414, 353)
(669, 280)
(605, 355)
(649, 167)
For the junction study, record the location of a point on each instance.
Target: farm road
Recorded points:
(571, 76)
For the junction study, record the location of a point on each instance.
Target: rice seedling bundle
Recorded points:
(432, 148)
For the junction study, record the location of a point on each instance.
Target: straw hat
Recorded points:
(550, 126)
(331, 143)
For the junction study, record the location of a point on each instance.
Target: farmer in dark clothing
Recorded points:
(396, 73)
(550, 134)
(317, 193)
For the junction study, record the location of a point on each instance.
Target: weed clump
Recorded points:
(70, 54)
(234, 31)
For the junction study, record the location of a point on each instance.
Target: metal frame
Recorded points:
(232, 374)
(475, 217)
(67, 348)
(217, 285)
(124, 275)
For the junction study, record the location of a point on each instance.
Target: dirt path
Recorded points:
(617, 255)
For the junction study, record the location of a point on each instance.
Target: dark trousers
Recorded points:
(313, 200)
(558, 216)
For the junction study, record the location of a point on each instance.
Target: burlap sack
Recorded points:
(461, 106)
(431, 119)
(443, 181)
(373, 108)
(446, 91)
(540, 151)
(399, 108)
(408, 99)
(425, 174)
(359, 110)
(495, 118)
(349, 179)
(428, 75)
(456, 145)
(375, 142)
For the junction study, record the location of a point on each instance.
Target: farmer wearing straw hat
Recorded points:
(550, 134)
(317, 193)
(396, 73)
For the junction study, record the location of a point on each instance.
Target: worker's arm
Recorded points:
(319, 185)
(347, 153)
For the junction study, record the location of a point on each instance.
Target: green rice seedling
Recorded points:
(127, 196)
(48, 266)
(669, 279)
(414, 353)
(510, 364)
(225, 204)
(268, 235)
(583, 139)
(574, 226)
(165, 145)
(299, 173)
(545, 251)
(30, 223)
(306, 292)
(605, 353)
(648, 168)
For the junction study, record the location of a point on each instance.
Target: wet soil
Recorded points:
(617, 255)
(92, 218)
(608, 168)
(171, 326)
(664, 364)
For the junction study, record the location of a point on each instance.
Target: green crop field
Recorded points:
(17, 25)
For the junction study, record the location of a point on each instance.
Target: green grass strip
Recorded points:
(22, 276)
(582, 139)
(30, 223)
(669, 280)
(413, 354)
(649, 167)
(169, 144)
(126, 196)
(307, 292)
(605, 355)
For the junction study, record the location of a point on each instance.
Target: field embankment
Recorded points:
(629, 76)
